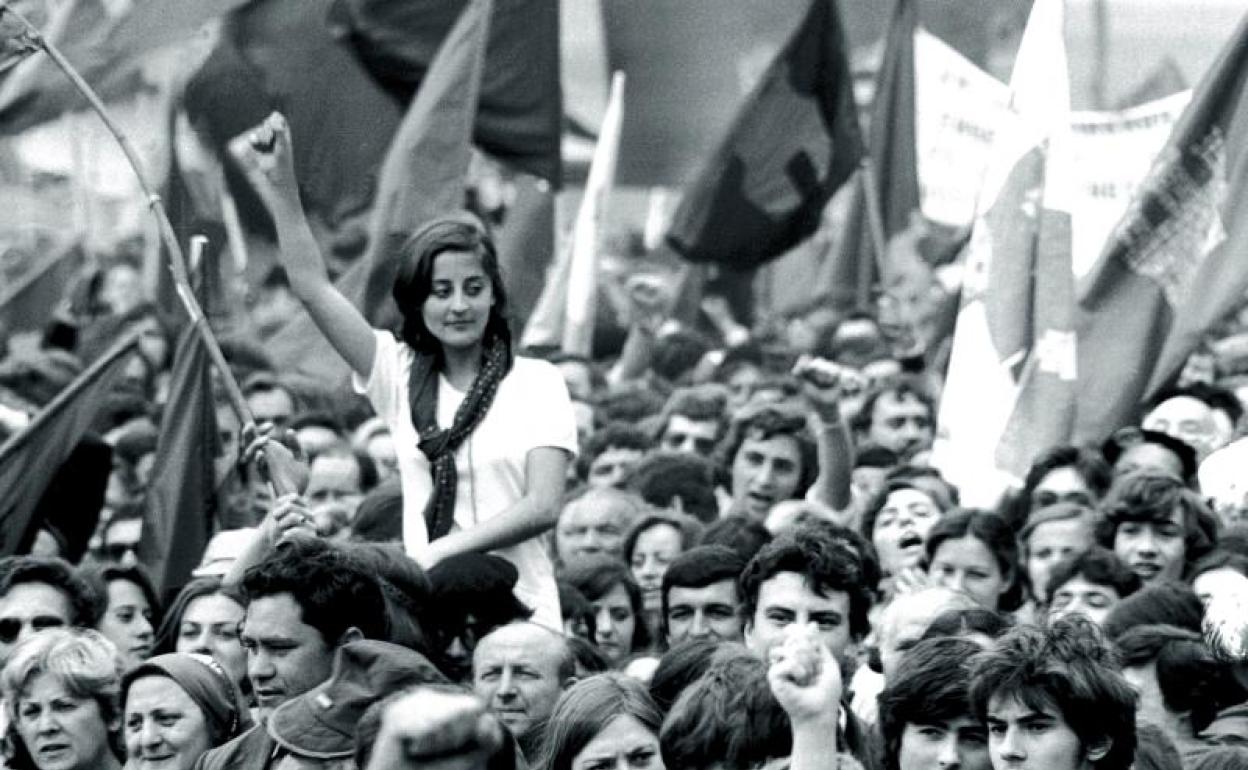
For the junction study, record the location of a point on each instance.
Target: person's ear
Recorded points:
(352, 634)
(568, 682)
(1099, 748)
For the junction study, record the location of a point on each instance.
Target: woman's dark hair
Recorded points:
(930, 686)
(690, 530)
(680, 667)
(872, 508)
(167, 632)
(1168, 602)
(595, 576)
(991, 530)
(1190, 677)
(745, 536)
(414, 282)
(586, 708)
(101, 576)
(1097, 565)
(955, 624)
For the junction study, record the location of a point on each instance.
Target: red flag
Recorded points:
(180, 497)
(1175, 263)
(421, 178)
(30, 458)
(794, 142)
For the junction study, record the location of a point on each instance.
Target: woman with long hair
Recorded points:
(483, 437)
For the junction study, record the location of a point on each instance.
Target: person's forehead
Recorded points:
(333, 470)
(793, 591)
(1079, 584)
(720, 591)
(455, 264)
(679, 423)
(777, 445)
(275, 613)
(1179, 408)
(28, 600)
(1062, 479)
(519, 643)
(617, 454)
(212, 608)
(594, 509)
(1059, 530)
(893, 403)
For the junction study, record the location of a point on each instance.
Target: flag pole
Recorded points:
(177, 260)
(875, 225)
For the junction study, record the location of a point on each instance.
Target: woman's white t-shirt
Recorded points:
(531, 409)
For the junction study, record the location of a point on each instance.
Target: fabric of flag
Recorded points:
(1176, 263)
(1010, 388)
(520, 119)
(108, 50)
(794, 142)
(178, 515)
(421, 178)
(894, 163)
(564, 315)
(30, 459)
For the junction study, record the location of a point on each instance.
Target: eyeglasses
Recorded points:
(11, 628)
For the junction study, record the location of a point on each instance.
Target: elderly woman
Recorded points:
(176, 707)
(60, 689)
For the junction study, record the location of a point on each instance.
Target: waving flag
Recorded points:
(1011, 382)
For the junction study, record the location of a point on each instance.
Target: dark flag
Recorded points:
(1176, 263)
(30, 459)
(520, 119)
(794, 142)
(177, 521)
(422, 177)
(894, 164)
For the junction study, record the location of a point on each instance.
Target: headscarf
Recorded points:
(207, 684)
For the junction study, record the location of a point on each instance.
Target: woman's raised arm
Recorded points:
(264, 155)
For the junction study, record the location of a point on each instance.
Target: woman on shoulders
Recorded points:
(483, 438)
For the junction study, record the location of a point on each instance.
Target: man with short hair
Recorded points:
(1155, 524)
(700, 599)
(1090, 584)
(340, 475)
(899, 417)
(693, 420)
(595, 522)
(37, 593)
(1203, 416)
(805, 576)
(611, 453)
(304, 602)
(520, 670)
(269, 400)
(1054, 699)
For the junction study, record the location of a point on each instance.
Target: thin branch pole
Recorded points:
(177, 260)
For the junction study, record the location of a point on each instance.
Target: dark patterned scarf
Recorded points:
(439, 445)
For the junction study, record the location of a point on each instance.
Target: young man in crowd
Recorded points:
(693, 421)
(805, 576)
(1155, 524)
(304, 601)
(1090, 584)
(1053, 699)
(900, 417)
(700, 599)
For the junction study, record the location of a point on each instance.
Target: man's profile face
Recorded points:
(1080, 596)
(285, 656)
(787, 598)
(708, 612)
(29, 608)
(515, 669)
(1021, 737)
(901, 423)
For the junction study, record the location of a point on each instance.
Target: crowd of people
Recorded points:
(719, 548)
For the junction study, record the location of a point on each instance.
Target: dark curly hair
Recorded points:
(826, 563)
(775, 420)
(1152, 497)
(930, 685)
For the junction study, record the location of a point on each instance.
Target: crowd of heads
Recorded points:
(716, 511)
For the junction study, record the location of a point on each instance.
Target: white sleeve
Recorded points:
(549, 419)
(386, 386)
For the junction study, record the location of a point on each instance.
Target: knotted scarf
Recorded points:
(438, 444)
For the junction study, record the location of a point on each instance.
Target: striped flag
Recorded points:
(1011, 383)
(564, 315)
(1175, 264)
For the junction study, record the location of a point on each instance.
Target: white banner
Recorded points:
(959, 109)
